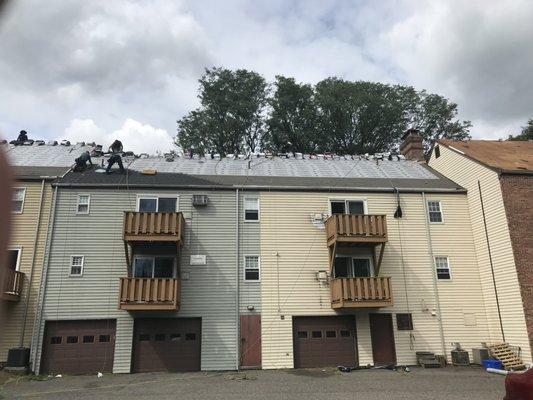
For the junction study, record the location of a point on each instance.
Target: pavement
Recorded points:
(449, 383)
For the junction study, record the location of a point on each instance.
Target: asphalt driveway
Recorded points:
(450, 383)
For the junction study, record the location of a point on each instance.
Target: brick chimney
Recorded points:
(411, 146)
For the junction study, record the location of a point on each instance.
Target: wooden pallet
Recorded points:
(509, 359)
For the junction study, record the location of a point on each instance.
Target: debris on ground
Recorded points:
(240, 377)
(504, 353)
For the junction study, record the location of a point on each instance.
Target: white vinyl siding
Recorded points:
(84, 202)
(17, 204)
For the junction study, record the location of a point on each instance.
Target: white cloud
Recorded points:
(135, 136)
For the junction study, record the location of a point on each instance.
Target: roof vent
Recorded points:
(39, 143)
(28, 142)
(65, 143)
(199, 200)
(80, 144)
(52, 143)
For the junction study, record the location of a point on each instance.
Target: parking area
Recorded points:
(450, 383)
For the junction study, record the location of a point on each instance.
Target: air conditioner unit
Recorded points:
(199, 200)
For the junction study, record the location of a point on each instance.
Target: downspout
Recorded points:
(237, 295)
(490, 259)
(434, 275)
(44, 275)
(32, 271)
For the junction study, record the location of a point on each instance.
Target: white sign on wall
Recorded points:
(198, 259)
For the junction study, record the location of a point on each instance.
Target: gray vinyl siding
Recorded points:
(249, 245)
(209, 292)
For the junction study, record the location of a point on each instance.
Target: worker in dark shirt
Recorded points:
(115, 149)
(81, 162)
(23, 137)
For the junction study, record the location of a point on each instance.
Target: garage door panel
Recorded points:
(324, 341)
(62, 354)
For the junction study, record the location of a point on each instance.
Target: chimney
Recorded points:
(412, 147)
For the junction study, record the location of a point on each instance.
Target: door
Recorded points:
(167, 344)
(382, 335)
(250, 341)
(324, 341)
(78, 347)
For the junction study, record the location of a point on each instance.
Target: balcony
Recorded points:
(371, 292)
(153, 227)
(13, 285)
(149, 294)
(346, 228)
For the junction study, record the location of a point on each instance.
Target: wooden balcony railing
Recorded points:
(149, 294)
(371, 292)
(349, 228)
(153, 227)
(13, 285)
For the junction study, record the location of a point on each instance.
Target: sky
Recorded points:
(99, 70)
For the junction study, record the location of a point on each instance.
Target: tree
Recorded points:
(527, 132)
(293, 119)
(231, 116)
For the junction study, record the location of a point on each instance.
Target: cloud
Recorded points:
(136, 137)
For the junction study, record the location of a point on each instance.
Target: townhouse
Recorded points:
(499, 178)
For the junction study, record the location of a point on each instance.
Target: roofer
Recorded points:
(81, 162)
(115, 149)
(23, 137)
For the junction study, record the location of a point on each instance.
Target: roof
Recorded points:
(503, 156)
(38, 173)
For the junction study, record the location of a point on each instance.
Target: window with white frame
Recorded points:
(251, 268)
(442, 266)
(435, 211)
(17, 204)
(354, 207)
(251, 209)
(76, 265)
(84, 200)
(164, 204)
(154, 267)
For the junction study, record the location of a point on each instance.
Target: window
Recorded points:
(144, 337)
(354, 207)
(190, 336)
(175, 337)
(76, 265)
(72, 339)
(17, 204)
(157, 204)
(251, 209)
(345, 333)
(302, 334)
(443, 268)
(351, 267)
(251, 268)
(13, 261)
(55, 340)
(437, 151)
(104, 338)
(331, 334)
(88, 339)
(84, 201)
(404, 322)
(316, 334)
(435, 211)
(159, 337)
(154, 267)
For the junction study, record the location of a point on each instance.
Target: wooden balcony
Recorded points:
(371, 292)
(153, 227)
(13, 285)
(149, 294)
(347, 228)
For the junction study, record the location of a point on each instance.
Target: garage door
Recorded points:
(162, 344)
(78, 347)
(324, 341)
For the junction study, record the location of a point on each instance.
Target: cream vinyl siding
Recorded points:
(466, 173)
(293, 249)
(23, 237)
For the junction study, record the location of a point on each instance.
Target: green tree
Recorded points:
(293, 119)
(527, 132)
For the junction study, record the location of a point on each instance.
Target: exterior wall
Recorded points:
(517, 194)
(207, 291)
(293, 249)
(467, 173)
(23, 237)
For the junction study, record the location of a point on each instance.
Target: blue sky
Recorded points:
(103, 69)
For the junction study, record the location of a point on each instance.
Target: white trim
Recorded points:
(78, 204)
(156, 196)
(19, 255)
(347, 199)
(244, 209)
(441, 211)
(448, 265)
(82, 265)
(258, 268)
(369, 258)
(153, 257)
(23, 200)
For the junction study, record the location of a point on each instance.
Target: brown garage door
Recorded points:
(324, 341)
(162, 344)
(78, 347)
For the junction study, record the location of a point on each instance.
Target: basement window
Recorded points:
(435, 211)
(442, 265)
(84, 201)
(17, 204)
(404, 322)
(251, 209)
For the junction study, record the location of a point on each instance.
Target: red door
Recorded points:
(250, 341)
(383, 348)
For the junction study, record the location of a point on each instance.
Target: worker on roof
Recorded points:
(23, 137)
(115, 149)
(81, 162)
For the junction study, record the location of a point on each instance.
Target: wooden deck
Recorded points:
(371, 292)
(153, 227)
(347, 228)
(149, 294)
(13, 285)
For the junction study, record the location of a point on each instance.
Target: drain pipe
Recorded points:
(237, 295)
(434, 275)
